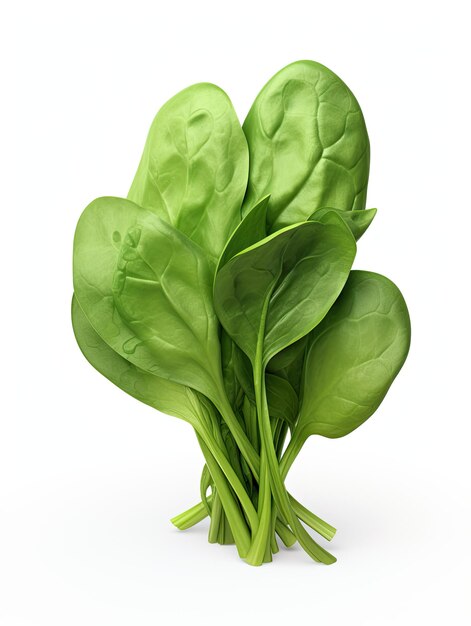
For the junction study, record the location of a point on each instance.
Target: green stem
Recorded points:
(262, 541)
(216, 513)
(192, 516)
(258, 550)
(205, 483)
(290, 454)
(313, 521)
(197, 513)
(293, 449)
(221, 528)
(228, 538)
(245, 446)
(280, 442)
(278, 488)
(232, 478)
(250, 417)
(236, 520)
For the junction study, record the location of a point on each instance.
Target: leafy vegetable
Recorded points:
(223, 295)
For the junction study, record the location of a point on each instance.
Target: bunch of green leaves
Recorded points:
(221, 291)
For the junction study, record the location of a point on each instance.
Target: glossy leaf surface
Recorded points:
(162, 288)
(97, 243)
(354, 356)
(193, 171)
(285, 284)
(281, 398)
(159, 393)
(123, 253)
(251, 229)
(308, 145)
(357, 221)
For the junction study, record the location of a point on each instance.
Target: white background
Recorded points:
(88, 476)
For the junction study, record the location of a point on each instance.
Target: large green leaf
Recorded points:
(163, 291)
(97, 243)
(279, 289)
(159, 393)
(353, 357)
(193, 171)
(147, 290)
(308, 145)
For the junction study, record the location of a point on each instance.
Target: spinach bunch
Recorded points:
(221, 291)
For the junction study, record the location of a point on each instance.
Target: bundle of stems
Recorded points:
(242, 503)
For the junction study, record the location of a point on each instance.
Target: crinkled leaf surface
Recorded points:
(193, 171)
(354, 356)
(97, 243)
(286, 284)
(159, 393)
(157, 319)
(308, 145)
(162, 288)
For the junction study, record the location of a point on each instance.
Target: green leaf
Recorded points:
(161, 394)
(163, 291)
(289, 363)
(357, 221)
(353, 357)
(229, 369)
(97, 243)
(251, 229)
(287, 357)
(194, 168)
(308, 145)
(281, 398)
(286, 283)
(147, 289)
